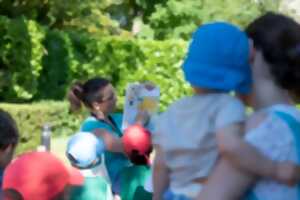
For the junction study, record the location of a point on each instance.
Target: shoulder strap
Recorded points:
(113, 124)
(294, 125)
(116, 127)
(251, 196)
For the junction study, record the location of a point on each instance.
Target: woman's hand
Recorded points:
(142, 117)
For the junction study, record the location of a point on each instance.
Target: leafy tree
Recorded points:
(87, 15)
(179, 18)
(21, 53)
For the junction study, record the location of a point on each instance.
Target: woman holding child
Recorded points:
(194, 131)
(274, 128)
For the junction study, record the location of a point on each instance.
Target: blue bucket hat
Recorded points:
(84, 150)
(218, 58)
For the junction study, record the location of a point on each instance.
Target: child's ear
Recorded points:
(251, 51)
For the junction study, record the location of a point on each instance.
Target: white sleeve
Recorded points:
(272, 138)
(157, 125)
(232, 112)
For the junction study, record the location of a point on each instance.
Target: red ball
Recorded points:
(137, 138)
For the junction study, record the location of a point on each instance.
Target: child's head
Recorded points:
(277, 37)
(84, 150)
(9, 135)
(218, 59)
(38, 175)
(137, 144)
(97, 94)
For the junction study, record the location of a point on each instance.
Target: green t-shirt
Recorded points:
(94, 188)
(114, 162)
(133, 179)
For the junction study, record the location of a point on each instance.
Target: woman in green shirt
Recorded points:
(99, 97)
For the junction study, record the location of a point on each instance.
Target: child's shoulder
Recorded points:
(212, 103)
(202, 99)
(231, 99)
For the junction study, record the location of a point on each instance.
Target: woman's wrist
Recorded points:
(142, 118)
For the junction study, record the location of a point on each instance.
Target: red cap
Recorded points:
(137, 140)
(39, 175)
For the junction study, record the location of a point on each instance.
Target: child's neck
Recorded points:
(201, 91)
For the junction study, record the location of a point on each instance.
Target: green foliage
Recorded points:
(127, 60)
(21, 52)
(55, 73)
(30, 119)
(56, 43)
(126, 11)
(87, 15)
(177, 18)
(160, 64)
(45, 64)
(167, 18)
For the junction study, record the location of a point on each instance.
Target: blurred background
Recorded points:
(46, 45)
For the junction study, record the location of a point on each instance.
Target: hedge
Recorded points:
(30, 119)
(39, 63)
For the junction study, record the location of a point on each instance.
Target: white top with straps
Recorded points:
(274, 139)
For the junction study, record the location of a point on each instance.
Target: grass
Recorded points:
(58, 147)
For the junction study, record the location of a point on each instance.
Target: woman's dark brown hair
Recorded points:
(86, 93)
(278, 37)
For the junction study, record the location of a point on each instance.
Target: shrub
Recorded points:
(21, 52)
(30, 119)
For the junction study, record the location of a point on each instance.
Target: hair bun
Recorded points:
(78, 90)
(75, 96)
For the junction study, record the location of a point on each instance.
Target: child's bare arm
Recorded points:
(247, 158)
(244, 156)
(160, 175)
(226, 183)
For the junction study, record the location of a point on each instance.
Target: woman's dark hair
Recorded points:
(86, 93)
(9, 132)
(278, 37)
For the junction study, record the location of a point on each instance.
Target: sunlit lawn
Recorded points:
(58, 147)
